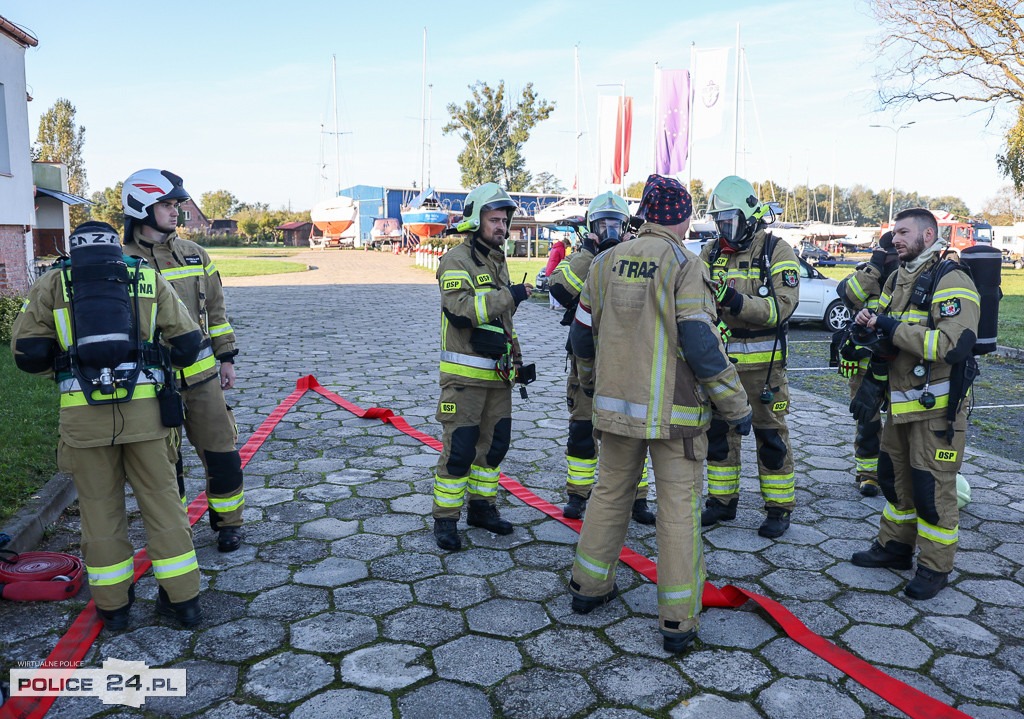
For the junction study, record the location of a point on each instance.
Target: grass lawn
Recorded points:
(28, 425)
(242, 267)
(245, 251)
(1011, 307)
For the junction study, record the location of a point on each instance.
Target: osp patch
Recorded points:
(950, 307)
(790, 278)
(447, 408)
(945, 455)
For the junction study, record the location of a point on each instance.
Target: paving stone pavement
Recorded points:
(340, 605)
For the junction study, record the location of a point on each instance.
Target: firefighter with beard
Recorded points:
(644, 335)
(606, 220)
(862, 289)
(93, 324)
(480, 356)
(150, 200)
(757, 280)
(922, 341)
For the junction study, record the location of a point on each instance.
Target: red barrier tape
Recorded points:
(73, 646)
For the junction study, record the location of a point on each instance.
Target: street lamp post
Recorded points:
(895, 150)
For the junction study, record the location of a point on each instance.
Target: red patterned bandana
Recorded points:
(665, 201)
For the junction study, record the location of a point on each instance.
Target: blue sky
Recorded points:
(232, 95)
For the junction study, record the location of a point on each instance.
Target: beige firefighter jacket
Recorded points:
(754, 327)
(645, 385)
(46, 316)
(474, 283)
(571, 273)
(954, 311)
(191, 272)
(863, 287)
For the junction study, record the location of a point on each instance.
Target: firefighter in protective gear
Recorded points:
(859, 290)
(150, 201)
(927, 323)
(644, 334)
(479, 357)
(757, 279)
(607, 219)
(110, 417)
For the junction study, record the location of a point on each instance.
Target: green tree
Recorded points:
(60, 140)
(955, 50)
(217, 204)
(494, 132)
(108, 206)
(547, 183)
(1006, 208)
(949, 203)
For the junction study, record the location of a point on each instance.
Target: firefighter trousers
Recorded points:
(476, 427)
(771, 436)
(99, 474)
(869, 436)
(917, 474)
(210, 427)
(678, 466)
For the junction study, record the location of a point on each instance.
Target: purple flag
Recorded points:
(673, 122)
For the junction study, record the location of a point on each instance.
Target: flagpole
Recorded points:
(689, 122)
(657, 114)
(622, 145)
(736, 104)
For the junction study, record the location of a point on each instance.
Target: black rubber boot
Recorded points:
(188, 613)
(678, 643)
(229, 539)
(869, 488)
(116, 620)
(642, 513)
(894, 555)
(574, 509)
(585, 605)
(446, 534)
(775, 524)
(484, 514)
(715, 511)
(926, 583)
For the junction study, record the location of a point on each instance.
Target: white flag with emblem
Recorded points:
(709, 77)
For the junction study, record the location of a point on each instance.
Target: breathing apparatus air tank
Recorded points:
(104, 335)
(985, 264)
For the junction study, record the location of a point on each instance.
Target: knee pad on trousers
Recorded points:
(718, 440)
(773, 450)
(500, 441)
(463, 451)
(887, 477)
(581, 439)
(869, 438)
(225, 470)
(924, 495)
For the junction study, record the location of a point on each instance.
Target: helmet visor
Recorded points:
(730, 225)
(608, 229)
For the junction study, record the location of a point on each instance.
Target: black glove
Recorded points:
(743, 426)
(886, 325)
(518, 293)
(878, 258)
(733, 300)
(868, 400)
(885, 241)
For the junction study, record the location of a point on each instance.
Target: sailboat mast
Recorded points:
(736, 104)
(423, 112)
(337, 135)
(689, 121)
(576, 115)
(430, 98)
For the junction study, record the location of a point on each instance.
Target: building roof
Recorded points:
(292, 225)
(20, 35)
(66, 197)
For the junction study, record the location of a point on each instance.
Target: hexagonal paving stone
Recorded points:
(818, 617)
(531, 584)
(351, 476)
(886, 645)
(333, 632)
(252, 577)
(795, 556)
(373, 597)
(731, 628)
(328, 528)
(950, 601)
(406, 567)
(268, 497)
(567, 649)
(393, 524)
(331, 572)
(726, 671)
(875, 608)
(637, 635)
(232, 710)
(324, 493)
(545, 556)
(851, 575)
(156, 646)
(638, 681)
(1001, 592)
(268, 679)
(364, 546)
(345, 704)
(507, 617)
(788, 698)
(555, 532)
(423, 625)
(477, 660)
(264, 532)
(544, 694)
(478, 562)
(737, 539)
(710, 706)
(384, 666)
(482, 538)
(732, 565)
(219, 682)
(212, 560)
(977, 679)
(452, 590)
(240, 640)
(385, 490)
(423, 703)
(957, 634)
(791, 659)
(357, 508)
(293, 551)
(289, 602)
(801, 585)
(296, 511)
(801, 533)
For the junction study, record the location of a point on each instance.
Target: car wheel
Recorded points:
(837, 316)
(1018, 264)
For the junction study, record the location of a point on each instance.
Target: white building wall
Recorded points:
(17, 209)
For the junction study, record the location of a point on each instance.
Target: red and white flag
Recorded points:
(614, 132)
